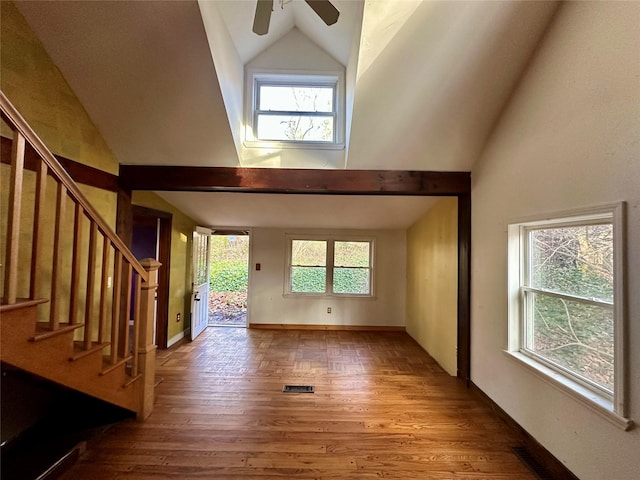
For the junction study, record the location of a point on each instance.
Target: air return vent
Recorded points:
(298, 389)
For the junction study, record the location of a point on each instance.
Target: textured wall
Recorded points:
(432, 282)
(568, 139)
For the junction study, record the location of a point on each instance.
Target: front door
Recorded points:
(200, 286)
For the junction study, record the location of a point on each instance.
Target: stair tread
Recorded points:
(21, 303)
(80, 352)
(43, 331)
(109, 367)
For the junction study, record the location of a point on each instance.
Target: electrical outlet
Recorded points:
(178, 318)
(328, 309)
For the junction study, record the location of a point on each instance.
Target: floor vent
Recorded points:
(298, 389)
(529, 461)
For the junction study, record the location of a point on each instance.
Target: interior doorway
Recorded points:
(229, 278)
(151, 238)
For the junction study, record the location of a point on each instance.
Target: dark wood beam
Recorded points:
(79, 172)
(297, 181)
(464, 287)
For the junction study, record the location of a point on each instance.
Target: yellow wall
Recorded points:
(180, 270)
(432, 282)
(32, 82)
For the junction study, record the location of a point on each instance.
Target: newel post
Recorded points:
(146, 345)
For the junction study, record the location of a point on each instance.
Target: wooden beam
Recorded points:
(464, 288)
(297, 181)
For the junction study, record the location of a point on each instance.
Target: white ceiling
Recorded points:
(428, 82)
(223, 209)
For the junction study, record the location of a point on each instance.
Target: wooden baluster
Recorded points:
(61, 199)
(91, 283)
(124, 326)
(75, 265)
(104, 285)
(13, 220)
(38, 227)
(136, 326)
(115, 308)
(146, 343)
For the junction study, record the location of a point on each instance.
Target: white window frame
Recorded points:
(329, 266)
(612, 405)
(254, 78)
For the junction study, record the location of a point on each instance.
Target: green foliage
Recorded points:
(351, 280)
(228, 276)
(308, 279)
(575, 335)
(229, 269)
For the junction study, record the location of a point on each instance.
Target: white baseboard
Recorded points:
(175, 339)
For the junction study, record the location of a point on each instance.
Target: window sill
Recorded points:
(596, 403)
(325, 296)
(275, 145)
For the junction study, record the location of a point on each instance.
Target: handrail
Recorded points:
(101, 311)
(17, 121)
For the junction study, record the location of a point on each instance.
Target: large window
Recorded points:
(294, 110)
(330, 267)
(566, 282)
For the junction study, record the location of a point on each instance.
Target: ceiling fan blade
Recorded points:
(262, 17)
(325, 10)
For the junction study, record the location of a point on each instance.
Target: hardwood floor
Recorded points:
(382, 408)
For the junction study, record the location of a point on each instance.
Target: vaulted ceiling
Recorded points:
(162, 80)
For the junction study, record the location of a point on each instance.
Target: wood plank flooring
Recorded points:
(382, 408)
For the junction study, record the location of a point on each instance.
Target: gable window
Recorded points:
(294, 110)
(566, 306)
(326, 266)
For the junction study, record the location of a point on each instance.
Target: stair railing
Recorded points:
(98, 279)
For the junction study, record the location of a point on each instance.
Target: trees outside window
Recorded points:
(566, 312)
(330, 267)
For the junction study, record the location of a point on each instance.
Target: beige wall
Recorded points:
(568, 139)
(432, 282)
(180, 269)
(267, 304)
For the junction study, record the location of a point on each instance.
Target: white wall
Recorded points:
(569, 138)
(267, 304)
(294, 52)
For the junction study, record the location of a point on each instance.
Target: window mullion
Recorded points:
(573, 298)
(330, 260)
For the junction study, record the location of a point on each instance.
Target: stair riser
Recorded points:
(50, 359)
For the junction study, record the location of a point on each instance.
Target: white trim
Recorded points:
(587, 397)
(330, 241)
(175, 339)
(614, 408)
(255, 75)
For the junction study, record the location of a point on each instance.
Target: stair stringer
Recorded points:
(50, 359)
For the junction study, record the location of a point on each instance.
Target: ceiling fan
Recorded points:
(323, 8)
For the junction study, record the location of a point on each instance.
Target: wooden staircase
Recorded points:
(77, 307)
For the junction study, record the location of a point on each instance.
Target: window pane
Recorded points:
(574, 335)
(574, 260)
(351, 280)
(308, 279)
(296, 128)
(310, 253)
(351, 254)
(296, 99)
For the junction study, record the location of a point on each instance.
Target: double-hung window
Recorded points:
(566, 311)
(326, 266)
(294, 110)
